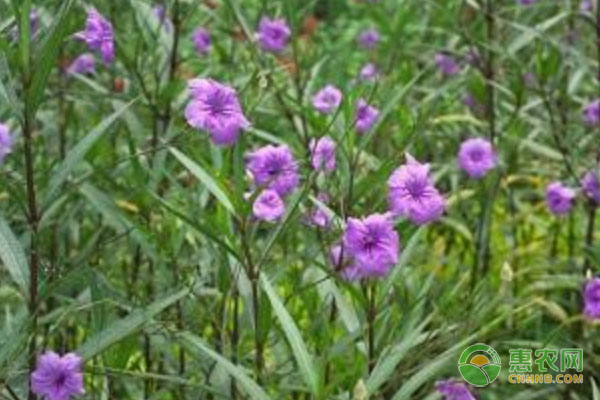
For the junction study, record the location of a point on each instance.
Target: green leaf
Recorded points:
(13, 257)
(124, 327)
(77, 153)
(386, 365)
(595, 391)
(292, 334)
(205, 230)
(211, 184)
(48, 54)
(195, 344)
(7, 90)
(404, 257)
(106, 206)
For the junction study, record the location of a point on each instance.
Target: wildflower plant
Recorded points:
(229, 199)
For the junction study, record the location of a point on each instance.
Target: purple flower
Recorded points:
(366, 116)
(586, 6)
(215, 108)
(412, 194)
(98, 35)
(56, 377)
(469, 101)
(160, 12)
(372, 243)
(318, 216)
(83, 64)
(476, 157)
(526, 2)
(348, 269)
(590, 186)
(6, 141)
(274, 167)
(273, 34)
(369, 72)
(559, 198)
(201, 39)
(327, 99)
(368, 38)
(268, 206)
(446, 64)
(591, 299)
(591, 113)
(453, 390)
(323, 153)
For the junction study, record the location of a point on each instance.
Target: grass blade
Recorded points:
(122, 328)
(13, 257)
(211, 184)
(299, 349)
(196, 344)
(77, 153)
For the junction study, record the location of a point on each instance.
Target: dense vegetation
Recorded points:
(299, 199)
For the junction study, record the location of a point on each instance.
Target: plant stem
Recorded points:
(253, 274)
(489, 69)
(371, 315)
(589, 236)
(235, 333)
(33, 220)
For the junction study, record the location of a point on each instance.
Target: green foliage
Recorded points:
(128, 237)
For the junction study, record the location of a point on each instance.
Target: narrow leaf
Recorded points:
(77, 153)
(195, 344)
(204, 177)
(124, 327)
(13, 257)
(292, 334)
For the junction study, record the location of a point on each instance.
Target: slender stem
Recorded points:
(33, 218)
(589, 236)
(332, 317)
(489, 69)
(235, 334)
(253, 274)
(371, 315)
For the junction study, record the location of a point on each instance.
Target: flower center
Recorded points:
(218, 105)
(477, 155)
(415, 188)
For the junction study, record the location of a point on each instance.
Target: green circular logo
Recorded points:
(479, 364)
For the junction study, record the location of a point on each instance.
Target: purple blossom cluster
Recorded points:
(84, 64)
(323, 153)
(215, 108)
(327, 100)
(413, 195)
(591, 299)
(476, 157)
(369, 247)
(56, 377)
(559, 198)
(275, 172)
(446, 64)
(98, 35)
(202, 41)
(454, 390)
(273, 34)
(6, 141)
(369, 38)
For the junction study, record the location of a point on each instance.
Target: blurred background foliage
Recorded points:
(144, 230)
